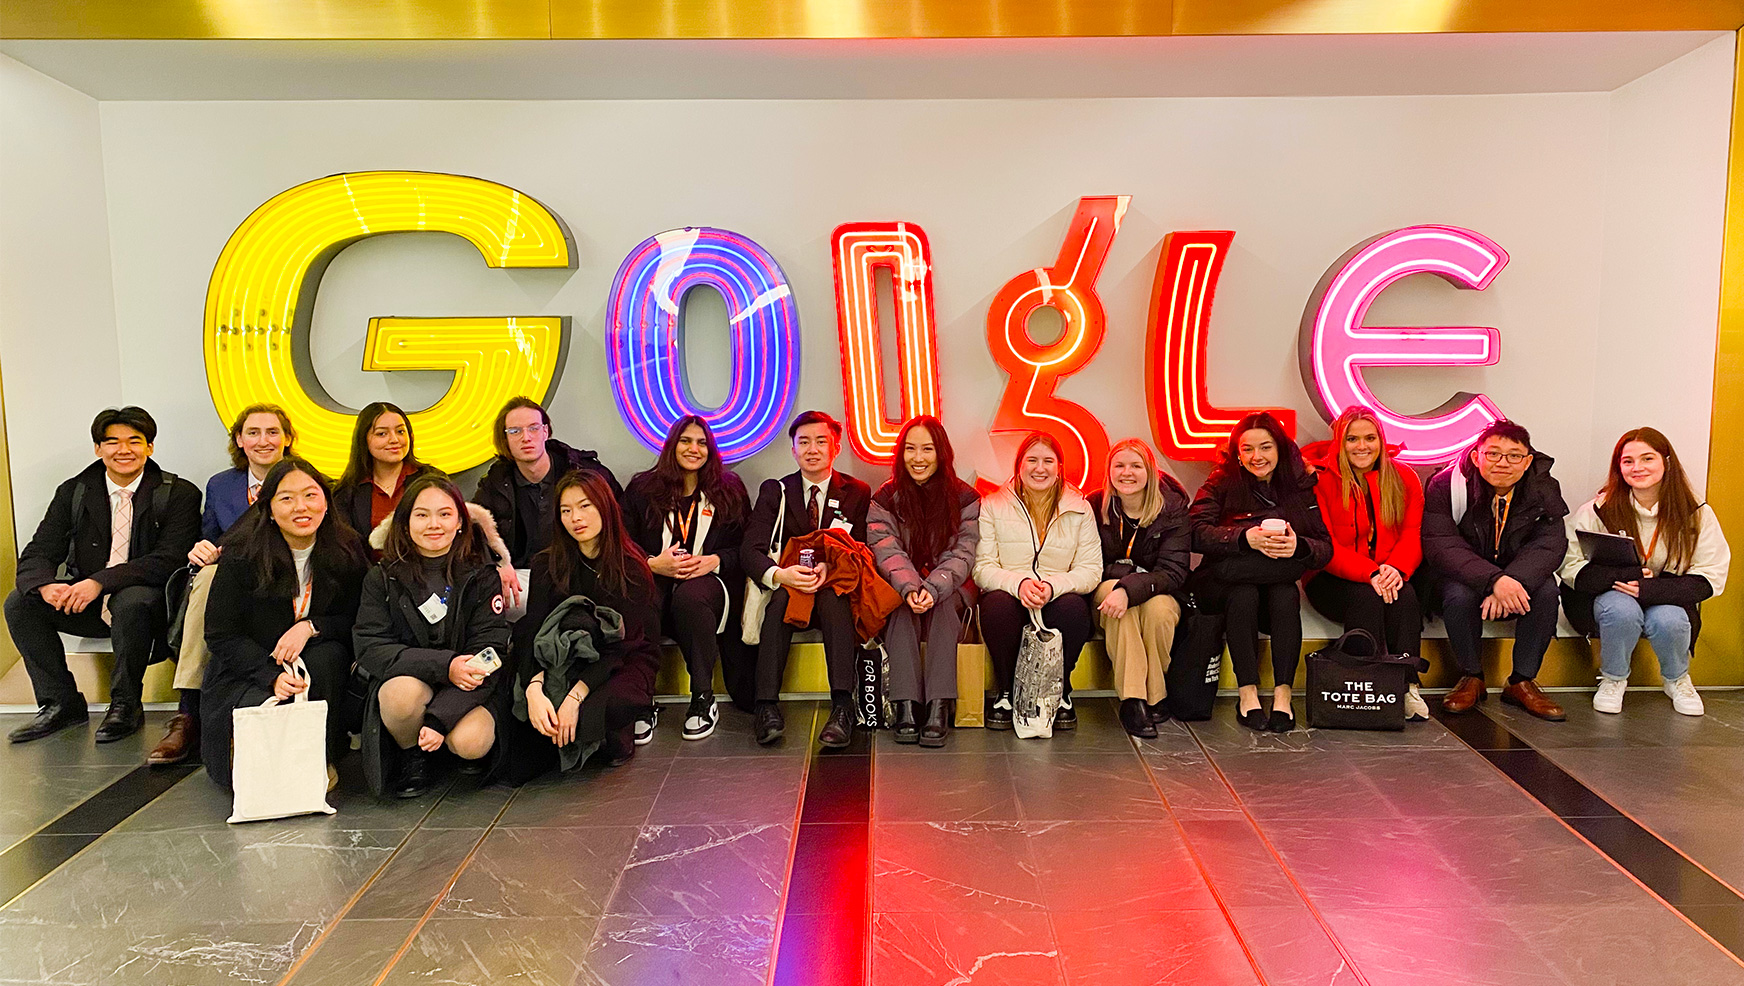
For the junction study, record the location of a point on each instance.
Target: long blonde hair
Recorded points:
(1153, 491)
(1391, 508)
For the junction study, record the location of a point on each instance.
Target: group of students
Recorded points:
(521, 631)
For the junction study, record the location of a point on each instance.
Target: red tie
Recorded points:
(811, 508)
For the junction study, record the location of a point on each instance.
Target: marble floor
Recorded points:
(1211, 855)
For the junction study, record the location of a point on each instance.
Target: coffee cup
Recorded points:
(1273, 527)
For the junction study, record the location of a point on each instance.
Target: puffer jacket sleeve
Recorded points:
(884, 537)
(988, 573)
(1211, 537)
(1407, 551)
(953, 568)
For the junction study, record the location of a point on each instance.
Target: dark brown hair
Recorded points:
(360, 468)
(927, 513)
(623, 569)
(257, 541)
(663, 485)
(1289, 472)
(238, 458)
(1679, 511)
(814, 418)
(400, 554)
(500, 440)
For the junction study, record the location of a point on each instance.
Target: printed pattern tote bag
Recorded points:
(1036, 684)
(279, 764)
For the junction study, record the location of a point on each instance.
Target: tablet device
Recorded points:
(1610, 550)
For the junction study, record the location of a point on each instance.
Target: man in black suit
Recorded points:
(120, 528)
(817, 497)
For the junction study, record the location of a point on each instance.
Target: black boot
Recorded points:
(938, 723)
(907, 729)
(412, 778)
(999, 711)
(1135, 719)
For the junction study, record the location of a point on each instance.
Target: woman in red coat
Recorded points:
(1373, 509)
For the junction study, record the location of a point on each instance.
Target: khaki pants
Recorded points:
(191, 661)
(1138, 644)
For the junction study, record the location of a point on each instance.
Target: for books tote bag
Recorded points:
(279, 764)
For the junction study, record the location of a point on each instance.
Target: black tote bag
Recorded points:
(1355, 684)
(1195, 662)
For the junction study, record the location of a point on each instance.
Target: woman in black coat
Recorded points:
(572, 701)
(427, 612)
(1257, 522)
(286, 588)
(688, 514)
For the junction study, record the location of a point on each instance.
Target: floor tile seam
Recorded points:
(792, 854)
(357, 896)
(1326, 928)
(1223, 906)
(91, 838)
(1685, 918)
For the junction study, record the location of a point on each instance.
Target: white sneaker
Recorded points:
(644, 728)
(700, 719)
(1684, 697)
(1416, 710)
(1609, 697)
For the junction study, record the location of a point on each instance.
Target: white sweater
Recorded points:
(1069, 560)
(1711, 559)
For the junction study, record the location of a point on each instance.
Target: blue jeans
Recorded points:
(1461, 611)
(1622, 620)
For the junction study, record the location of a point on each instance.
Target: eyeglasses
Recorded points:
(1511, 458)
(535, 430)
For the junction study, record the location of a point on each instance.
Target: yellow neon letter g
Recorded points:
(263, 294)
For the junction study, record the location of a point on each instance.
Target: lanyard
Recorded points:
(1135, 532)
(1502, 519)
(684, 521)
(1653, 542)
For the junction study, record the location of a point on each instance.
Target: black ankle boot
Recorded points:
(938, 723)
(907, 729)
(1135, 719)
(413, 776)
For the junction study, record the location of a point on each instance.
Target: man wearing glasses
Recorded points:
(1493, 536)
(96, 567)
(517, 489)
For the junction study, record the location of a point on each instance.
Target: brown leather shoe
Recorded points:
(182, 739)
(1527, 695)
(1469, 692)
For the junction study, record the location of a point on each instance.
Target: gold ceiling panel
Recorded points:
(858, 18)
(1449, 16)
(275, 19)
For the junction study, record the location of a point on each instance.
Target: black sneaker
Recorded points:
(644, 727)
(702, 717)
(413, 776)
(1066, 717)
(999, 713)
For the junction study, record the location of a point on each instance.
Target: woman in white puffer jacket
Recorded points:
(1039, 549)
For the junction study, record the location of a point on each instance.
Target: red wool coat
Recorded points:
(1400, 547)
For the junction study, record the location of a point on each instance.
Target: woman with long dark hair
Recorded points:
(922, 527)
(688, 514)
(587, 646)
(1039, 549)
(286, 587)
(1373, 510)
(1257, 523)
(428, 610)
(383, 460)
(1683, 559)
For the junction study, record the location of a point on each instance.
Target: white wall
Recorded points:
(1300, 180)
(1664, 223)
(57, 309)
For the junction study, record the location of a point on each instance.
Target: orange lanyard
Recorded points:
(1653, 542)
(301, 609)
(684, 523)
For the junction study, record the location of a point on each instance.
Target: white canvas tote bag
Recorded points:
(279, 764)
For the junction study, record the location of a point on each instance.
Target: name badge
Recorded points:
(433, 609)
(840, 524)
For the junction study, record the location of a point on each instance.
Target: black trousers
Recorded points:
(139, 622)
(1397, 625)
(831, 614)
(1268, 603)
(690, 610)
(605, 717)
(1003, 618)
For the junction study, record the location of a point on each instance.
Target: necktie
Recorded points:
(120, 534)
(253, 493)
(811, 508)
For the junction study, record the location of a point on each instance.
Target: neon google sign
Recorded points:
(262, 295)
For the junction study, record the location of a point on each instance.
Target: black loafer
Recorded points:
(769, 723)
(999, 712)
(123, 719)
(1254, 719)
(1281, 722)
(838, 732)
(1136, 720)
(50, 719)
(1159, 713)
(906, 728)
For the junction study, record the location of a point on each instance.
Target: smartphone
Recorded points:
(487, 660)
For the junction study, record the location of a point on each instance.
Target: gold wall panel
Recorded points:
(1452, 16)
(275, 19)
